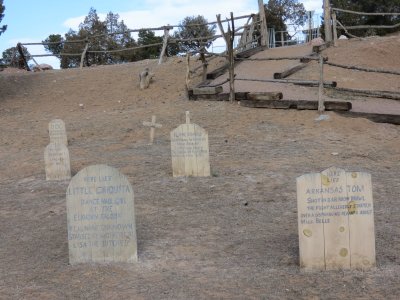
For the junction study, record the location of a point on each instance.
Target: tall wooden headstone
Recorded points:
(336, 220)
(57, 163)
(57, 132)
(189, 150)
(101, 217)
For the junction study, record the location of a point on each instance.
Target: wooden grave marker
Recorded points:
(153, 125)
(336, 220)
(101, 217)
(190, 150)
(57, 163)
(57, 132)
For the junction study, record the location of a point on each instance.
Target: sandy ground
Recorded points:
(229, 236)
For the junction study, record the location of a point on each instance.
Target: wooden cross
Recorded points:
(153, 125)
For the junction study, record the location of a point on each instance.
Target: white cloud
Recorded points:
(73, 23)
(315, 5)
(174, 11)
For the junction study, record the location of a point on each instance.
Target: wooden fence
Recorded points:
(336, 24)
(246, 39)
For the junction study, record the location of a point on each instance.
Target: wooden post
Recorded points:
(334, 29)
(228, 37)
(263, 29)
(327, 21)
(204, 63)
(153, 125)
(321, 106)
(282, 39)
(84, 54)
(251, 33)
(21, 53)
(245, 36)
(187, 80)
(231, 62)
(309, 27)
(165, 43)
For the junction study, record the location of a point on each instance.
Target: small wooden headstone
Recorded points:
(153, 125)
(336, 220)
(57, 132)
(189, 150)
(101, 217)
(56, 160)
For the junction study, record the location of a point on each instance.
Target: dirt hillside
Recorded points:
(229, 236)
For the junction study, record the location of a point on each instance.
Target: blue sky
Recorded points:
(33, 21)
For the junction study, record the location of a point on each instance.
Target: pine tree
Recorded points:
(2, 9)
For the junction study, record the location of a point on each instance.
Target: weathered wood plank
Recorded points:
(361, 220)
(294, 81)
(313, 56)
(282, 104)
(250, 52)
(264, 96)
(311, 231)
(217, 72)
(336, 229)
(378, 118)
(320, 48)
(329, 105)
(207, 90)
(296, 104)
(217, 97)
(289, 71)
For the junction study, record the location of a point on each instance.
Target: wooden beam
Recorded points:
(364, 69)
(334, 24)
(321, 106)
(293, 81)
(320, 48)
(263, 24)
(289, 71)
(264, 96)
(376, 94)
(327, 21)
(218, 72)
(217, 97)
(165, 44)
(314, 56)
(229, 37)
(250, 52)
(378, 118)
(22, 55)
(84, 54)
(297, 104)
(207, 90)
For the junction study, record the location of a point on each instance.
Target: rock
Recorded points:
(44, 67)
(343, 37)
(317, 41)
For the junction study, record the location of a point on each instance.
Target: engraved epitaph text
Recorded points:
(101, 217)
(190, 151)
(336, 220)
(57, 132)
(57, 164)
